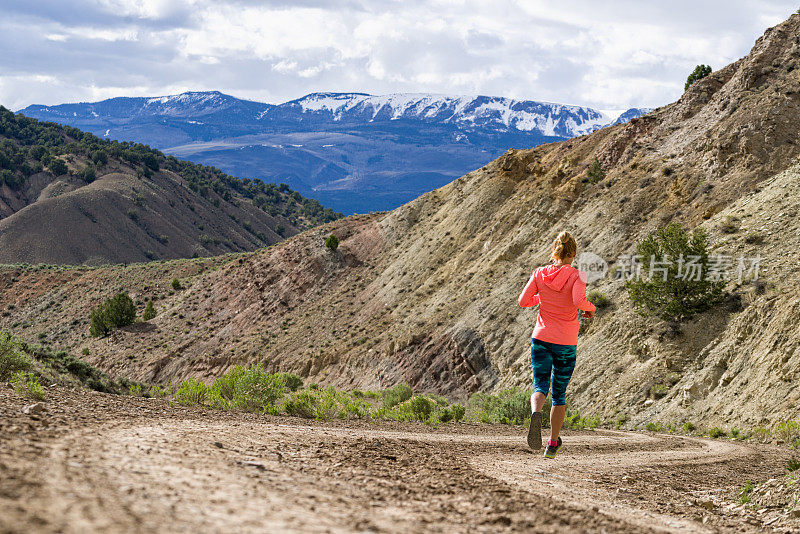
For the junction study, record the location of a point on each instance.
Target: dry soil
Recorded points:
(88, 462)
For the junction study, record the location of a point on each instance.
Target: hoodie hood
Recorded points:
(557, 278)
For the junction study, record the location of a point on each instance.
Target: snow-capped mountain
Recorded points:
(465, 111)
(353, 152)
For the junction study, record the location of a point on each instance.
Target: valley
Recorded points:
(353, 152)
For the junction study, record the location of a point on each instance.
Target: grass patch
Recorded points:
(12, 356)
(255, 390)
(26, 384)
(744, 493)
(717, 432)
(793, 465)
(55, 367)
(788, 431)
(762, 434)
(599, 299)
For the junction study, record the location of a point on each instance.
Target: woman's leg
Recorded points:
(537, 401)
(557, 414)
(542, 363)
(563, 366)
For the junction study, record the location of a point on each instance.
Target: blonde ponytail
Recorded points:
(564, 247)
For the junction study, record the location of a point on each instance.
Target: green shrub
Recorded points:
(116, 312)
(160, 392)
(458, 412)
(508, 406)
(27, 385)
(12, 357)
(332, 242)
(248, 388)
(89, 174)
(444, 415)
(421, 407)
(394, 396)
(653, 427)
(57, 167)
(668, 294)
(149, 311)
(514, 406)
(291, 381)
(135, 390)
(599, 299)
(595, 172)
(793, 465)
(620, 421)
(325, 404)
(699, 72)
(575, 421)
(301, 404)
(176, 284)
(788, 430)
(716, 432)
(191, 392)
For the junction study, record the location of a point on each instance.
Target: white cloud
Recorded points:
(611, 54)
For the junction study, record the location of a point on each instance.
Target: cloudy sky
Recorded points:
(610, 54)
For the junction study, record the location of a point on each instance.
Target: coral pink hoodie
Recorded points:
(560, 291)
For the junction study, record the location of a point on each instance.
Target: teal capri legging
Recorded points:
(558, 360)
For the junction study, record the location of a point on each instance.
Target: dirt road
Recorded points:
(94, 462)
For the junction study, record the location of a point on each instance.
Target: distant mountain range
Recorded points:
(353, 152)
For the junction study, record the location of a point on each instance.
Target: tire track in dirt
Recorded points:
(241, 476)
(572, 478)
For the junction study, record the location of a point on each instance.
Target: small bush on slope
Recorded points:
(12, 357)
(599, 299)
(116, 312)
(27, 385)
(291, 381)
(332, 242)
(699, 72)
(396, 395)
(595, 173)
(149, 311)
(55, 366)
(668, 293)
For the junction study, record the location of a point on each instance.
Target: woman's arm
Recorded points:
(579, 296)
(529, 296)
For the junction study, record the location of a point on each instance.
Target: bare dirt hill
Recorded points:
(427, 293)
(68, 197)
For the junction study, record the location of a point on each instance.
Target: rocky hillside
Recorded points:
(67, 196)
(352, 151)
(427, 293)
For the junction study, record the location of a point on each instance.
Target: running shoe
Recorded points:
(535, 432)
(552, 450)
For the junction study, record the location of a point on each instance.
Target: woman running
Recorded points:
(560, 291)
